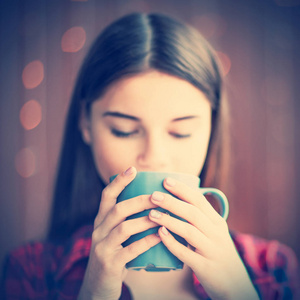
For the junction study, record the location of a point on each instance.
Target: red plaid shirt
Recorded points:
(55, 271)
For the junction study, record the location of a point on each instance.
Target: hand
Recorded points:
(107, 260)
(213, 257)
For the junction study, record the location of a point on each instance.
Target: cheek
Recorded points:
(109, 157)
(193, 160)
(105, 160)
(194, 157)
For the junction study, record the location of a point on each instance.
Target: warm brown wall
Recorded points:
(260, 39)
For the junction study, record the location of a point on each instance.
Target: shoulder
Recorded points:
(49, 254)
(271, 265)
(39, 266)
(264, 253)
(27, 269)
(33, 259)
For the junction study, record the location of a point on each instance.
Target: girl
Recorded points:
(149, 97)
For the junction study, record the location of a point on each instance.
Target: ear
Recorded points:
(85, 127)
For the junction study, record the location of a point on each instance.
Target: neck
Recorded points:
(167, 285)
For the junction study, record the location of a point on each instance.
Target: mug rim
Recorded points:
(165, 173)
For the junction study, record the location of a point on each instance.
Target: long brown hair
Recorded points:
(133, 44)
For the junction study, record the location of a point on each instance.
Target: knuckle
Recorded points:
(99, 233)
(118, 210)
(105, 192)
(123, 230)
(94, 236)
(96, 222)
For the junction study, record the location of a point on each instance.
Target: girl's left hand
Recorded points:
(214, 258)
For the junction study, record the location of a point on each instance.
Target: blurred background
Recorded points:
(42, 44)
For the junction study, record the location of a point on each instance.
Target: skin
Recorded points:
(156, 122)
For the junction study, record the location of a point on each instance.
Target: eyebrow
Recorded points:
(185, 118)
(120, 115)
(126, 116)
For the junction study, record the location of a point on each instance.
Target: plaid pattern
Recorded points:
(55, 271)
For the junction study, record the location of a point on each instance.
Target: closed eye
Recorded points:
(180, 136)
(122, 134)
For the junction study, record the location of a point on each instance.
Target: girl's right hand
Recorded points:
(106, 266)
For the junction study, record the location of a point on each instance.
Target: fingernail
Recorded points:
(164, 230)
(156, 196)
(170, 181)
(155, 214)
(129, 171)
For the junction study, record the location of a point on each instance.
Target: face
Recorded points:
(152, 121)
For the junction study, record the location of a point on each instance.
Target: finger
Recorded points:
(112, 191)
(184, 210)
(182, 252)
(128, 228)
(120, 212)
(187, 231)
(192, 196)
(135, 249)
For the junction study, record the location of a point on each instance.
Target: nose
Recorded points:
(153, 155)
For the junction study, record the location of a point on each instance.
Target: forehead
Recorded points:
(156, 92)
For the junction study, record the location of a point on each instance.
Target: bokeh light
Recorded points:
(33, 74)
(225, 61)
(31, 114)
(25, 162)
(73, 39)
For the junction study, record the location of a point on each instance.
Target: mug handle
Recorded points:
(221, 198)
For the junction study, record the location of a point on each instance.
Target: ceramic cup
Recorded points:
(159, 258)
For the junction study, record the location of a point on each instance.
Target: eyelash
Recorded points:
(180, 136)
(122, 134)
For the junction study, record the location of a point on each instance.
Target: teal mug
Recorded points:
(159, 258)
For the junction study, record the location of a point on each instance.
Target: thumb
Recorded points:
(111, 192)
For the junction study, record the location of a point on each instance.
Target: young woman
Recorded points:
(149, 97)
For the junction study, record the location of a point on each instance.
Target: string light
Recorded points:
(33, 74)
(31, 114)
(73, 39)
(25, 162)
